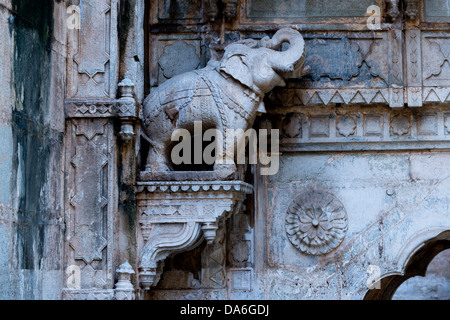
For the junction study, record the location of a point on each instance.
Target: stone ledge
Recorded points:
(176, 217)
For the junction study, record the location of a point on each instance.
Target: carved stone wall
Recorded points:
(357, 128)
(363, 177)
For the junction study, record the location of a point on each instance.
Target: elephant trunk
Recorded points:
(289, 63)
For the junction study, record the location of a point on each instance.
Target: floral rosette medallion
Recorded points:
(316, 222)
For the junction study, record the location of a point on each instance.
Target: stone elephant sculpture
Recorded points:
(226, 94)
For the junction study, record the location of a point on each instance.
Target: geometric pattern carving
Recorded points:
(97, 109)
(373, 125)
(348, 96)
(90, 69)
(170, 62)
(400, 125)
(320, 126)
(316, 222)
(213, 261)
(414, 68)
(88, 245)
(89, 211)
(91, 278)
(346, 126)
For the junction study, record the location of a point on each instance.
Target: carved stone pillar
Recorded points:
(91, 195)
(177, 216)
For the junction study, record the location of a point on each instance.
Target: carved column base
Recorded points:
(177, 216)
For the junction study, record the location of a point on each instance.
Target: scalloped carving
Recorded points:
(316, 222)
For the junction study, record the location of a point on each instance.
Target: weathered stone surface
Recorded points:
(395, 209)
(368, 124)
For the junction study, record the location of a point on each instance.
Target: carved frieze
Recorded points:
(316, 222)
(400, 124)
(361, 128)
(348, 96)
(170, 62)
(349, 68)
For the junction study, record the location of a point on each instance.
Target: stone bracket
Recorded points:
(175, 217)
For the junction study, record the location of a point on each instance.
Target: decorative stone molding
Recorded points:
(316, 222)
(90, 109)
(177, 216)
(352, 128)
(170, 63)
(125, 108)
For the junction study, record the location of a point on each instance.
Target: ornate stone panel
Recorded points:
(436, 67)
(90, 201)
(414, 68)
(175, 55)
(316, 222)
(92, 52)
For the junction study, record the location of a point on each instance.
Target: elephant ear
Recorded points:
(236, 67)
